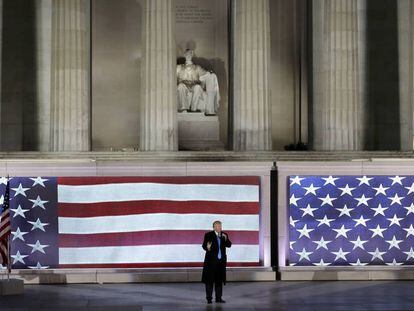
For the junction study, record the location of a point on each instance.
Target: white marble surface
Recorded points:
(252, 122)
(44, 62)
(406, 71)
(158, 121)
(338, 74)
(154, 275)
(70, 107)
(198, 132)
(344, 273)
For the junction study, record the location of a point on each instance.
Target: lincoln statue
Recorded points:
(197, 89)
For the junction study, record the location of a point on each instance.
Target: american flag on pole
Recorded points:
(5, 227)
(351, 220)
(98, 222)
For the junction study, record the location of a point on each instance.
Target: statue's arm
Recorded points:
(178, 74)
(201, 71)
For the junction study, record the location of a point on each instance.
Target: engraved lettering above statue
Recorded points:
(197, 88)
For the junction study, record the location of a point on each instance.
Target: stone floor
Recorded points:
(320, 296)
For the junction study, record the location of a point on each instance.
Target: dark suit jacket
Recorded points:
(214, 271)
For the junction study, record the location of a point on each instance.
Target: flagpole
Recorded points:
(8, 259)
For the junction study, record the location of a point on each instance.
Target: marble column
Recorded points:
(251, 102)
(43, 24)
(158, 120)
(338, 74)
(70, 106)
(406, 71)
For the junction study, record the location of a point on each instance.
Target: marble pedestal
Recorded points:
(198, 132)
(11, 287)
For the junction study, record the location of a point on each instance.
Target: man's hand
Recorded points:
(225, 236)
(208, 245)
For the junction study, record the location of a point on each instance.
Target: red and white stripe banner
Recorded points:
(154, 221)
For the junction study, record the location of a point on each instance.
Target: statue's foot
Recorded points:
(182, 111)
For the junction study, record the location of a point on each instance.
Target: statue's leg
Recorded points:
(182, 101)
(210, 104)
(197, 92)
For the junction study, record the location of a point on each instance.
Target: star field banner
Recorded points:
(99, 222)
(351, 220)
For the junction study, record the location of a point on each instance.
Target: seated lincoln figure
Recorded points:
(197, 89)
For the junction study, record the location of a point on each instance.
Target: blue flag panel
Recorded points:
(351, 220)
(33, 206)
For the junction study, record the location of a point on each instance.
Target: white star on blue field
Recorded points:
(34, 221)
(351, 220)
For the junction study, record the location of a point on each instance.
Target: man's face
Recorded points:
(188, 55)
(217, 227)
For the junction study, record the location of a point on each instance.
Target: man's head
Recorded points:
(188, 54)
(217, 226)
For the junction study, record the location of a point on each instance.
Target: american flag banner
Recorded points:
(5, 227)
(110, 222)
(351, 220)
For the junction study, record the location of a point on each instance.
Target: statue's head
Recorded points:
(188, 54)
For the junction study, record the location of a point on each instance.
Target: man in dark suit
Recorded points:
(214, 269)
